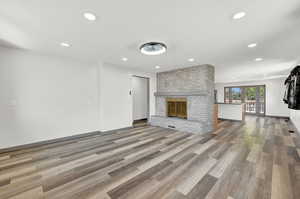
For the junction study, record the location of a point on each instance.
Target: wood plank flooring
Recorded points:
(258, 159)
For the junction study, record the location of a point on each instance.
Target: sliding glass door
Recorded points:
(250, 100)
(261, 100)
(252, 96)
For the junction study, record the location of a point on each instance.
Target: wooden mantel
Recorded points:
(190, 93)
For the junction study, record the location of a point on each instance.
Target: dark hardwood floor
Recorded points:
(258, 159)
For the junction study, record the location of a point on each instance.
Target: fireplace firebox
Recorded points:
(177, 107)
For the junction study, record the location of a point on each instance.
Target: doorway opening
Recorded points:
(140, 101)
(254, 98)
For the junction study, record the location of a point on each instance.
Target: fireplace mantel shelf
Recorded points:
(191, 93)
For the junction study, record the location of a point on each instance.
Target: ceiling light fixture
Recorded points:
(157, 67)
(253, 45)
(259, 59)
(191, 59)
(89, 16)
(124, 59)
(63, 44)
(153, 48)
(239, 15)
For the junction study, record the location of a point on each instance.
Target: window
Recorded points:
(252, 96)
(227, 95)
(236, 95)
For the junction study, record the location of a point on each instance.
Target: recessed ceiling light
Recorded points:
(252, 45)
(124, 59)
(239, 15)
(65, 44)
(89, 16)
(191, 59)
(259, 59)
(157, 67)
(153, 48)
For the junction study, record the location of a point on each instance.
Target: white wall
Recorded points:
(115, 100)
(295, 117)
(140, 97)
(274, 94)
(43, 98)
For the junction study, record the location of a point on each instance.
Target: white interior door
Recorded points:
(140, 97)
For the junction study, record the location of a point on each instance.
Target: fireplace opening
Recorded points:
(177, 107)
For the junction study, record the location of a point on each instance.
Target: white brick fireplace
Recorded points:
(196, 84)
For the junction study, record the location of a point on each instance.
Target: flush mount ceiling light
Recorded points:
(157, 67)
(89, 16)
(124, 59)
(239, 15)
(191, 59)
(153, 48)
(64, 44)
(253, 45)
(259, 59)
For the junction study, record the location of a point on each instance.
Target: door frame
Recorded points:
(243, 96)
(148, 96)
